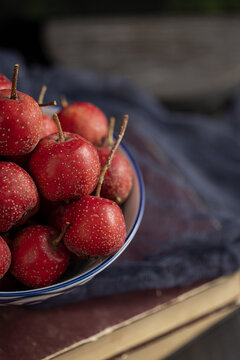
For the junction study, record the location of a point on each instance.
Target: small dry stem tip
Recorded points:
(49, 103)
(61, 134)
(110, 140)
(57, 241)
(42, 94)
(64, 101)
(14, 82)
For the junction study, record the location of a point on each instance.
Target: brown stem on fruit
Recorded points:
(41, 97)
(64, 101)
(118, 200)
(61, 134)
(42, 94)
(111, 155)
(57, 240)
(14, 82)
(49, 103)
(110, 140)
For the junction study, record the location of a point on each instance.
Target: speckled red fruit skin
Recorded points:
(97, 227)
(20, 123)
(65, 170)
(85, 119)
(5, 257)
(118, 179)
(4, 82)
(35, 262)
(18, 195)
(49, 126)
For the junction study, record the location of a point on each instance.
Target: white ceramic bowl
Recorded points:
(79, 273)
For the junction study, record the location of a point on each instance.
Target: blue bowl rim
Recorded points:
(89, 274)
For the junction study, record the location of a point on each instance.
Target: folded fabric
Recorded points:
(190, 164)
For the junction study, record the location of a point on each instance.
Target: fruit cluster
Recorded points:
(62, 182)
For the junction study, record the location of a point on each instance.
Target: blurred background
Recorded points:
(186, 53)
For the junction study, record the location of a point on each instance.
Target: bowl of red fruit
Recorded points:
(71, 195)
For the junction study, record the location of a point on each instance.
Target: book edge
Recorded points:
(179, 299)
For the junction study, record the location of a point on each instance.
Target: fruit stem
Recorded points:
(42, 94)
(110, 140)
(64, 101)
(111, 155)
(61, 134)
(57, 240)
(14, 82)
(49, 103)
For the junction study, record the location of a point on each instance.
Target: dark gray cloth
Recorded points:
(206, 152)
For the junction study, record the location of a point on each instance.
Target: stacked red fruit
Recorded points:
(118, 179)
(4, 82)
(59, 188)
(20, 121)
(84, 119)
